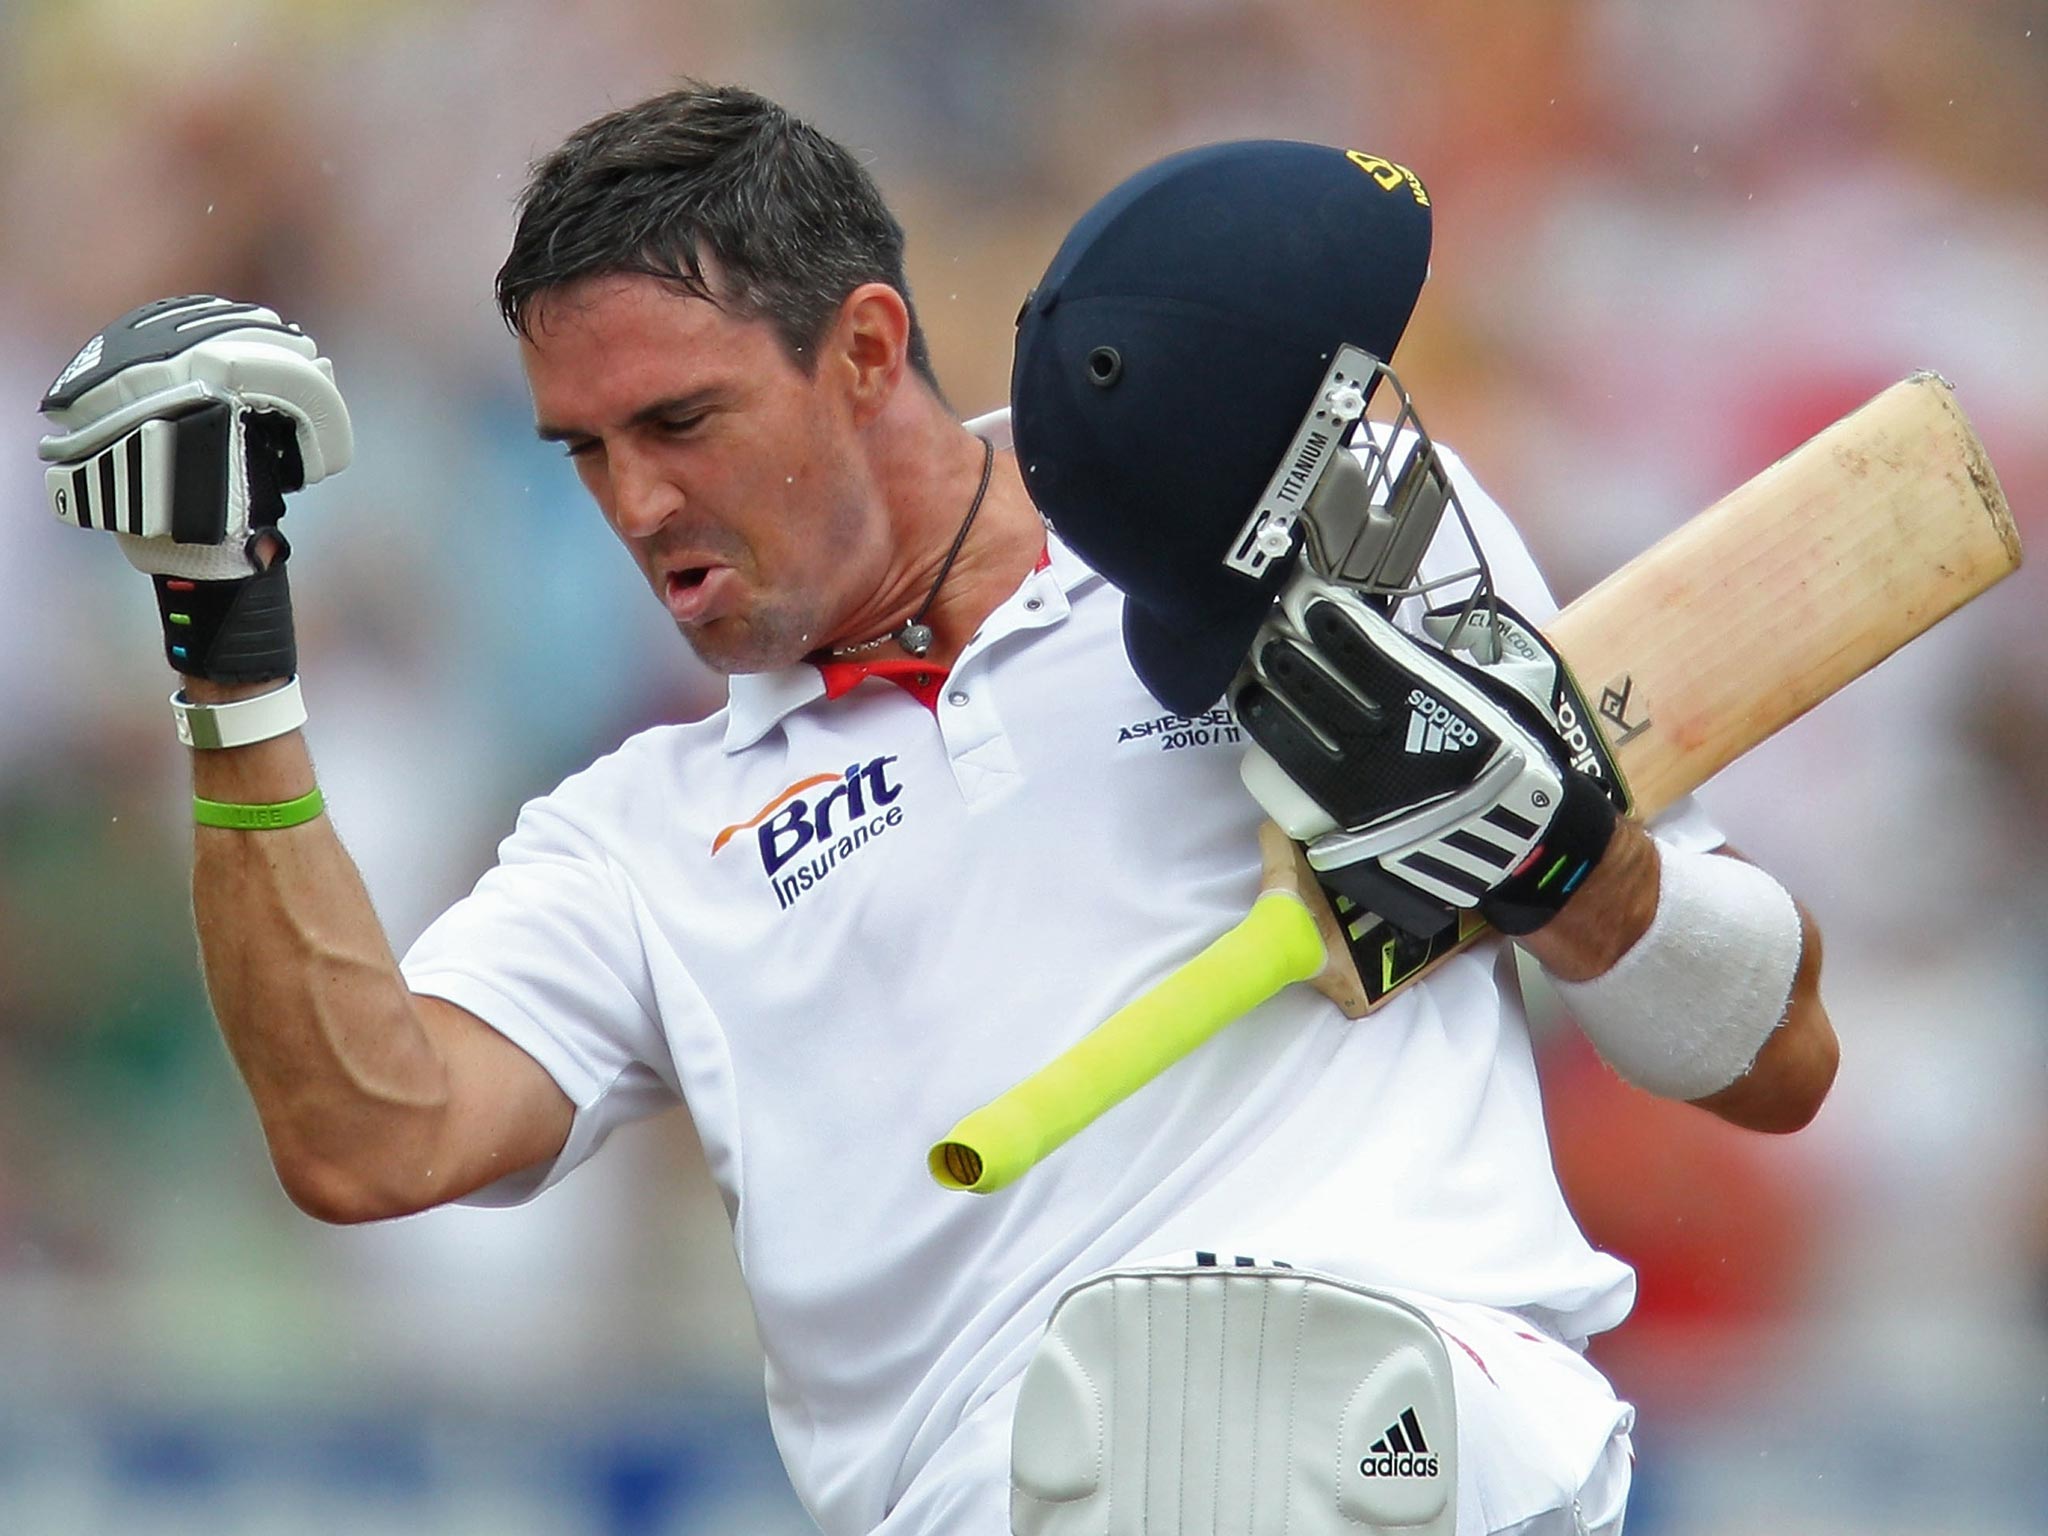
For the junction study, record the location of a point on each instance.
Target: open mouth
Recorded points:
(697, 594)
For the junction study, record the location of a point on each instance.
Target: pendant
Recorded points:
(915, 638)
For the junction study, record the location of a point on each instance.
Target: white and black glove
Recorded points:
(1420, 780)
(179, 429)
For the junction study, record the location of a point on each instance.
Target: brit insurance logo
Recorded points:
(808, 831)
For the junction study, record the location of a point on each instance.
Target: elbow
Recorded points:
(1809, 1054)
(1796, 1107)
(1784, 1115)
(1786, 1087)
(335, 1194)
(1792, 1076)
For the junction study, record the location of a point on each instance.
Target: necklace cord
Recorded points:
(909, 631)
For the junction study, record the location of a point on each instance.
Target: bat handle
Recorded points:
(1276, 944)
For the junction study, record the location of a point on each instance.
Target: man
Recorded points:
(932, 838)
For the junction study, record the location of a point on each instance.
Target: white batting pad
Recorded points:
(1228, 1399)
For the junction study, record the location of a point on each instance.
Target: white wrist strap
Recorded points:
(212, 727)
(1684, 1013)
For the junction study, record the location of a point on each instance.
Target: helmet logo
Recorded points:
(1389, 175)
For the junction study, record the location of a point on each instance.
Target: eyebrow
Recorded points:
(673, 405)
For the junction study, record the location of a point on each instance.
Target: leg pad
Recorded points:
(1234, 1399)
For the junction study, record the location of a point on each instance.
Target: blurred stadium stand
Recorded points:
(1672, 241)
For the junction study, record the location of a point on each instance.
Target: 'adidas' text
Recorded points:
(1434, 728)
(1400, 1452)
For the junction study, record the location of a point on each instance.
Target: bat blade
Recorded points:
(1789, 589)
(1734, 625)
(1783, 592)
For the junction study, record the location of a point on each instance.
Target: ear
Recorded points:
(869, 347)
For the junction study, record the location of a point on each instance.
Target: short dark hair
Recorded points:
(792, 221)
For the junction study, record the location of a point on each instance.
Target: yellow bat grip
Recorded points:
(1276, 943)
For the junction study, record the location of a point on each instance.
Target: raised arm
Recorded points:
(375, 1102)
(180, 429)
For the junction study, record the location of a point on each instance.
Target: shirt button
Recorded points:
(956, 698)
(1032, 605)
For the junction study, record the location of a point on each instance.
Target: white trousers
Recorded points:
(1543, 1442)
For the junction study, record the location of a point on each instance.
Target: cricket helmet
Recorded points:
(1170, 353)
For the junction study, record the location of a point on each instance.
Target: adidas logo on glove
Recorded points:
(88, 357)
(1433, 727)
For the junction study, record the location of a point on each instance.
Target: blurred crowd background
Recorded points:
(1672, 241)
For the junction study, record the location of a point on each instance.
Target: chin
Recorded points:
(728, 647)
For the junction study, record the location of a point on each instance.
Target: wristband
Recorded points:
(213, 727)
(258, 818)
(1684, 1013)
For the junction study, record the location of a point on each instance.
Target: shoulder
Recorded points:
(622, 795)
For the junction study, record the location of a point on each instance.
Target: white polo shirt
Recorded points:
(833, 925)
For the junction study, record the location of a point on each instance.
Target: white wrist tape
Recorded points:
(242, 723)
(1684, 1013)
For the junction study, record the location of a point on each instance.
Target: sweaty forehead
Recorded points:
(604, 308)
(604, 346)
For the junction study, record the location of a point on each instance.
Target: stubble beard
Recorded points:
(776, 632)
(764, 639)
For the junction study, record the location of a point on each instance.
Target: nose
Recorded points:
(643, 498)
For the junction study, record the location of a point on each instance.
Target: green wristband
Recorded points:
(258, 818)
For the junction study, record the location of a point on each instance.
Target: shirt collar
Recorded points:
(756, 702)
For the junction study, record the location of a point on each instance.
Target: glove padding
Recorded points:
(1420, 780)
(180, 429)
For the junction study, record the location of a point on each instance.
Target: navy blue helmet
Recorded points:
(1170, 352)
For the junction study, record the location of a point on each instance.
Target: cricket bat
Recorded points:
(1709, 642)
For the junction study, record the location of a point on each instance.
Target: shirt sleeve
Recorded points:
(547, 951)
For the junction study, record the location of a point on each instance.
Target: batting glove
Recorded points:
(1422, 781)
(179, 429)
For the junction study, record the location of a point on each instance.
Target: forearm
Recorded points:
(1791, 1073)
(348, 1083)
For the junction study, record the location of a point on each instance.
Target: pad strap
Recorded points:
(237, 631)
(1577, 838)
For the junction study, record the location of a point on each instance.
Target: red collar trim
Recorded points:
(920, 679)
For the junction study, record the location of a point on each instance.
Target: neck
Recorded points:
(915, 635)
(1001, 546)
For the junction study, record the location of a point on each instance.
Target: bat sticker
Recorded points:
(1614, 702)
